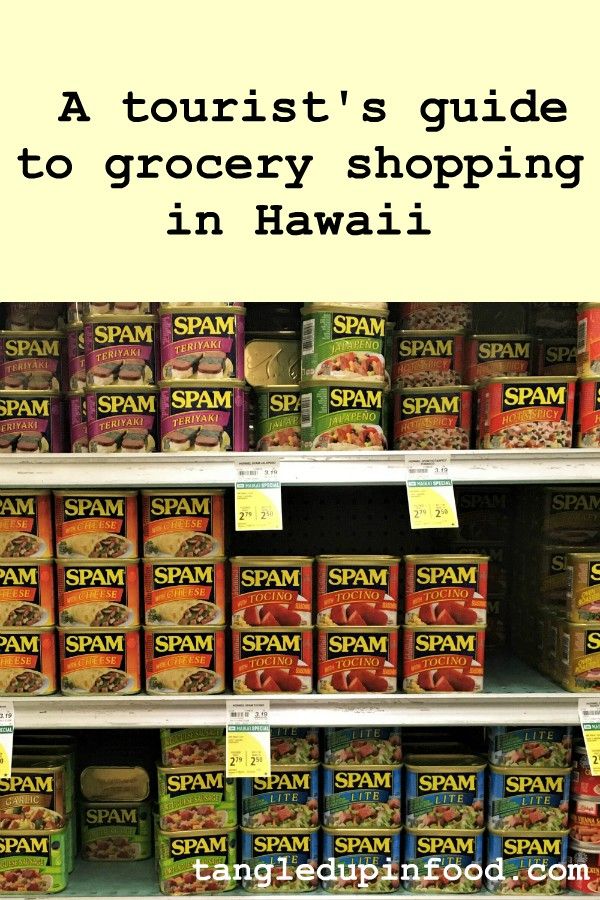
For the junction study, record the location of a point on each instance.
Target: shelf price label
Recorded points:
(7, 728)
(431, 501)
(258, 497)
(248, 748)
(589, 716)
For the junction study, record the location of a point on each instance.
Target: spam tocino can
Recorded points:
(96, 524)
(343, 342)
(184, 592)
(98, 594)
(362, 798)
(31, 360)
(583, 782)
(584, 819)
(498, 355)
(27, 662)
(120, 350)
(537, 799)
(179, 855)
(25, 525)
(556, 356)
(353, 747)
(122, 419)
(95, 661)
(588, 339)
(203, 416)
(31, 422)
(34, 862)
(340, 415)
(272, 660)
(185, 660)
(442, 861)
(588, 413)
(78, 430)
(443, 658)
(277, 423)
(583, 587)
(357, 659)
(379, 847)
(585, 879)
(357, 590)
(428, 316)
(285, 852)
(76, 359)
(434, 418)
(516, 413)
(445, 590)
(428, 358)
(267, 591)
(195, 798)
(286, 799)
(116, 831)
(183, 523)
(519, 852)
(26, 593)
(201, 343)
(192, 746)
(444, 792)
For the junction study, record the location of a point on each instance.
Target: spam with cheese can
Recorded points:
(271, 591)
(428, 358)
(285, 851)
(185, 660)
(31, 422)
(184, 523)
(432, 418)
(343, 415)
(519, 852)
(445, 590)
(444, 792)
(528, 800)
(31, 360)
(438, 658)
(357, 590)
(96, 524)
(27, 661)
(99, 661)
(98, 594)
(120, 350)
(526, 412)
(33, 862)
(354, 747)
(286, 799)
(122, 419)
(205, 416)
(272, 660)
(357, 659)
(116, 831)
(432, 851)
(379, 848)
(343, 342)
(278, 418)
(195, 798)
(362, 798)
(184, 592)
(493, 355)
(178, 855)
(25, 525)
(26, 593)
(203, 342)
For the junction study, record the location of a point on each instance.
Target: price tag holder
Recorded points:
(248, 739)
(7, 729)
(258, 497)
(589, 716)
(431, 501)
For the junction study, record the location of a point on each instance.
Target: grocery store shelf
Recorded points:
(515, 694)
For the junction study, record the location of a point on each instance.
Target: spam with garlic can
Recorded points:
(183, 524)
(438, 658)
(185, 660)
(357, 659)
(446, 590)
(357, 590)
(271, 591)
(341, 415)
(96, 524)
(206, 416)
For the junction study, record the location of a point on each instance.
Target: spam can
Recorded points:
(376, 848)
(428, 358)
(98, 594)
(353, 747)
(180, 856)
(31, 422)
(583, 782)
(96, 524)
(362, 798)
(286, 799)
(185, 660)
(356, 659)
(78, 430)
(525, 853)
(444, 792)
(122, 419)
(583, 587)
(588, 413)
(208, 416)
(580, 661)
(556, 356)
(31, 360)
(528, 412)
(545, 748)
(25, 525)
(584, 819)
(443, 658)
(116, 831)
(33, 861)
(524, 800)
(493, 355)
(196, 798)
(444, 861)
(184, 592)
(569, 515)
(294, 746)
(120, 350)
(585, 878)
(201, 343)
(271, 591)
(445, 590)
(357, 591)
(273, 359)
(76, 358)
(285, 851)
(24, 315)
(277, 424)
(272, 660)
(99, 661)
(426, 316)
(339, 414)
(192, 746)
(27, 661)
(432, 418)
(343, 342)
(588, 339)
(34, 795)
(26, 593)
(182, 523)
(101, 784)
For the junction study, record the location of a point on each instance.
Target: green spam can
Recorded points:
(341, 415)
(179, 856)
(278, 418)
(191, 798)
(33, 861)
(343, 341)
(116, 831)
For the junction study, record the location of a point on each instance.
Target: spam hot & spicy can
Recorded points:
(440, 860)
(343, 415)
(34, 862)
(519, 852)
(524, 800)
(357, 659)
(25, 525)
(443, 658)
(26, 593)
(446, 590)
(31, 360)
(434, 418)
(428, 358)
(444, 792)
(277, 424)
(178, 855)
(183, 524)
(588, 415)
(285, 852)
(557, 356)
(184, 592)
(203, 416)
(185, 660)
(96, 525)
(349, 849)
(424, 316)
(343, 342)
(286, 799)
(357, 590)
(272, 660)
(362, 798)
(194, 798)
(526, 412)
(30, 422)
(354, 747)
(493, 355)
(27, 661)
(98, 595)
(122, 419)
(119, 350)
(201, 343)
(271, 591)
(95, 661)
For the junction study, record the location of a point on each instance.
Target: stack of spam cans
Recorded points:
(116, 816)
(584, 822)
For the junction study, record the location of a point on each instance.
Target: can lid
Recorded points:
(232, 831)
(377, 308)
(177, 560)
(97, 494)
(445, 558)
(126, 317)
(445, 629)
(363, 832)
(279, 831)
(26, 492)
(363, 629)
(346, 767)
(62, 563)
(366, 559)
(187, 492)
(430, 332)
(445, 832)
(449, 762)
(527, 379)
(121, 390)
(33, 334)
(282, 388)
(166, 308)
(83, 629)
(270, 629)
(440, 389)
(371, 382)
(115, 783)
(38, 395)
(268, 561)
(177, 629)
(530, 833)
(501, 337)
(516, 770)
(208, 382)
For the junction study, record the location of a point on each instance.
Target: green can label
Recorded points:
(33, 862)
(196, 798)
(338, 343)
(177, 855)
(116, 831)
(278, 418)
(343, 416)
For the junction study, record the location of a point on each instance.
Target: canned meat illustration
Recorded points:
(526, 412)
(26, 593)
(122, 419)
(98, 594)
(432, 852)
(352, 747)
(184, 592)
(286, 799)
(96, 524)
(351, 848)
(278, 418)
(99, 662)
(27, 662)
(545, 747)
(291, 849)
(497, 355)
(195, 798)
(537, 800)
(425, 316)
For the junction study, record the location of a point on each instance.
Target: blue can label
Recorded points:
(285, 852)
(525, 800)
(349, 849)
(447, 849)
(546, 748)
(362, 746)
(287, 798)
(362, 798)
(294, 746)
(449, 800)
(519, 852)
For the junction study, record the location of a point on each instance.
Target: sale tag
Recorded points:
(7, 727)
(431, 501)
(248, 739)
(258, 497)
(589, 716)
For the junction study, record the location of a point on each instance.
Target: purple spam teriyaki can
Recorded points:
(30, 422)
(203, 416)
(122, 420)
(78, 430)
(31, 360)
(76, 358)
(202, 343)
(120, 350)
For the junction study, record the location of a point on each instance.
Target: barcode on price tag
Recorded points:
(258, 497)
(431, 501)
(7, 728)
(248, 749)
(589, 716)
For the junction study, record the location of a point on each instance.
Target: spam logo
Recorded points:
(426, 845)
(281, 403)
(533, 846)
(445, 643)
(36, 408)
(116, 333)
(114, 816)
(207, 845)
(457, 781)
(560, 353)
(429, 405)
(179, 505)
(19, 643)
(273, 577)
(355, 398)
(25, 784)
(19, 576)
(25, 845)
(534, 784)
(126, 403)
(357, 645)
(570, 501)
(281, 843)
(175, 575)
(594, 572)
(491, 350)
(427, 575)
(17, 506)
(22, 348)
(535, 395)
(94, 507)
(474, 500)
(415, 348)
(380, 844)
(94, 576)
(198, 325)
(200, 399)
(80, 644)
(357, 576)
(261, 642)
(192, 782)
(283, 781)
(358, 326)
(558, 563)
(592, 642)
(182, 642)
(367, 780)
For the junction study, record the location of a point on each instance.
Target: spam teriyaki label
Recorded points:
(198, 344)
(185, 661)
(196, 797)
(369, 797)
(443, 794)
(343, 416)
(288, 798)
(122, 419)
(204, 416)
(30, 423)
(354, 659)
(31, 360)
(278, 418)
(446, 590)
(30, 788)
(120, 351)
(182, 524)
(184, 592)
(537, 799)
(272, 660)
(271, 591)
(355, 591)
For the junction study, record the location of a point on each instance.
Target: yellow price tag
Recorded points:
(248, 752)
(589, 716)
(258, 497)
(430, 491)
(7, 727)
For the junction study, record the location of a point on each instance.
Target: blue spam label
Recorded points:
(362, 746)
(379, 849)
(520, 851)
(447, 849)
(545, 747)
(285, 852)
(535, 799)
(288, 798)
(369, 797)
(452, 800)
(294, 746)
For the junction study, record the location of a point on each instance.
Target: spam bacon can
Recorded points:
(183, 524)
(78, 430)
(201, 343)
(588, 339)
(285, 852)
(76, 358)
(27, 661)
(31, 360)
(498, 355)
(25, 525)
(357, 659)
(195, 798)
(120, 350)
(427, 316)
(96, 661)
(432, 418)
(185, 660)
(34, 861)
(272, 660)
(278, 418)
(374, 847)
(343, 342)
(443, 658)
(286, 799)
(524, 800)
(122, 419)
(31, 422)
(362, 798)
(583, 587)
(267, 591)
(518, 413)
(336, 414)
(588, 413)
(428, 358)
(98, 594)
(556, 356)
(96, 524)
(205, 416)
(178, 855)
(26, 593)
(445, 590)
(433, 851)
(444, 792)
(357, 590)
(353, 747)
(184, 592)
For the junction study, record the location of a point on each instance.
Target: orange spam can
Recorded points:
(97, 661)
(96, 524)
(352, 660)
(27, 661)
(98, 594)
(188, 592)
(25, 525)
(184, 523)
(272, 660)
(268, 591)
(26, 593)
(357, 591)
(443, 659)
(445, 589)
(185, 660)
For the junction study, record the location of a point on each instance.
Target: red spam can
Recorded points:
(356, 660)
(443, 659)
(268, 591)
(272, 660)
(517, 413)
(588, 416)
